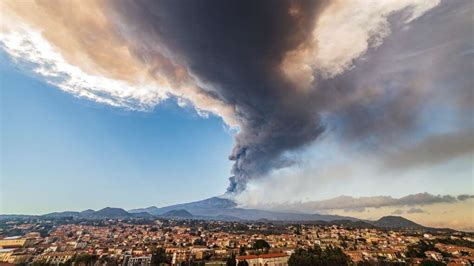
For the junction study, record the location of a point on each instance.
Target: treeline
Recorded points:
(316, 256)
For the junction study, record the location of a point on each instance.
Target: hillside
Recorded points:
(109, 212)
(216, 208)
(222, 207)
(177, 214)
(396, 222)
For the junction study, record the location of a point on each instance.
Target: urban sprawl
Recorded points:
(194, 242)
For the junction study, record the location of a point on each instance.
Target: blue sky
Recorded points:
(62, 152)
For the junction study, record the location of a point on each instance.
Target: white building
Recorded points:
(273, 259)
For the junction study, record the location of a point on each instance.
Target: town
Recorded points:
(132, 241)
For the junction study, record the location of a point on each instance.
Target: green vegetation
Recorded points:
(242, 250)
(231, 261)
(457, 242)
(159, 256)
(199, 242)
(316, 256)
(261, 244)
(84, 259)
(418, 250)
(431, 263)
(243, 263)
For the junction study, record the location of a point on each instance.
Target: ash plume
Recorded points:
(280, 66)
(280, 72)
(234, 49)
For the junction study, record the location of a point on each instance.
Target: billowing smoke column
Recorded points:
(277, 66)
(234, 48)
(261, 145)
(269, 68)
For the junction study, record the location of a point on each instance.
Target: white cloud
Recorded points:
(89, 58)
(28, 45)
(343, 32)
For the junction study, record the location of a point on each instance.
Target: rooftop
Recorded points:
(262, 256)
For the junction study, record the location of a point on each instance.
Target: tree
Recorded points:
(242, 250)
(158, 256)
(230, 261)
(243, 263)
(316, 256)
(418, 250)
(261, 244)
(105, 261)
(199, 242)
(431, 263)
(85, 259)
(298, 230)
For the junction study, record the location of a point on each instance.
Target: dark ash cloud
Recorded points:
(280, 72)
(234, 48)
(432, 150)
(234, 52)
(384, 97)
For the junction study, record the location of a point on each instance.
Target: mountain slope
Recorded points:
(202, 207)
(396, 222)
(150, 210)
(109, 212)
(225, 209)
(221, 207)
(177, 214)
(87, 212)
(62, 214)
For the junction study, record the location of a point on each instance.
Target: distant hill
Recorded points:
(224, 218)
(62, 214)
(141, 215)
(396, 222)
(15, 216)
(217, 208)
(109, 212)
(354, 224)
(87, 212)
(196, 207)
(150, 210)
(223, 209)
(177, 214)
(202, 207)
